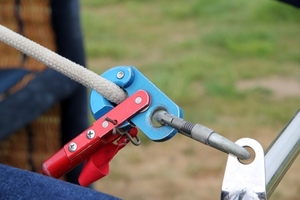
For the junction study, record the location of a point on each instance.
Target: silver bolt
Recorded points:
(138, 100)
(72, 147)
(90, 134)
(120, 74)
(105, 124)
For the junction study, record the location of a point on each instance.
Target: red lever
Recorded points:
(96, 137)
(97, 165)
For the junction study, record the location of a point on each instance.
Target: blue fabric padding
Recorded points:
(9, 77)
(18, 184)
(40, 94)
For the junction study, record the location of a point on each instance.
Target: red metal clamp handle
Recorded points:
(94, 138)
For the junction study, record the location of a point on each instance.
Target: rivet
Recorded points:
(90, 134)
(72, 147)
(138, 100)
(105, 124)
(120, 74)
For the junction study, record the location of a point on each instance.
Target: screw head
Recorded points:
(138, 100)
(105, 124)
(120, 74)
(72, 147)
(90, 134)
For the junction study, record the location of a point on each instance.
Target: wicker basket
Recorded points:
(31, 145)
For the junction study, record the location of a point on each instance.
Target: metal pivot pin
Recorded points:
(245, 181)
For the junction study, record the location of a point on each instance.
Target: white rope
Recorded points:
(74, 71)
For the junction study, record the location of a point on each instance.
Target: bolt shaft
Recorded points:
(202, 134)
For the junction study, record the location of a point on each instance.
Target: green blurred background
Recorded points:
(230, 65)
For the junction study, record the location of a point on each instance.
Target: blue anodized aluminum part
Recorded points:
(131, 80)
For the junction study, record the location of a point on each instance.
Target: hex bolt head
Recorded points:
(72, 147)
(90, 134)
(120, 74)
(138, 100)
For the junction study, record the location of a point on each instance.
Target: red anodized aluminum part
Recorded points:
(97, 165)
(82, 147)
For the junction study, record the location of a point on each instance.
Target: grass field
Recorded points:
(233, 66)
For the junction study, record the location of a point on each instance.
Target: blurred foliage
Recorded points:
(197, 51)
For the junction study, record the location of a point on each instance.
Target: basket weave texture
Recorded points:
(33, 144)
(29, 147)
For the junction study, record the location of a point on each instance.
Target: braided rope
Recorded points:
(74, 71)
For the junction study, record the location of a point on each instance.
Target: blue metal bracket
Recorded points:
(131, 80)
